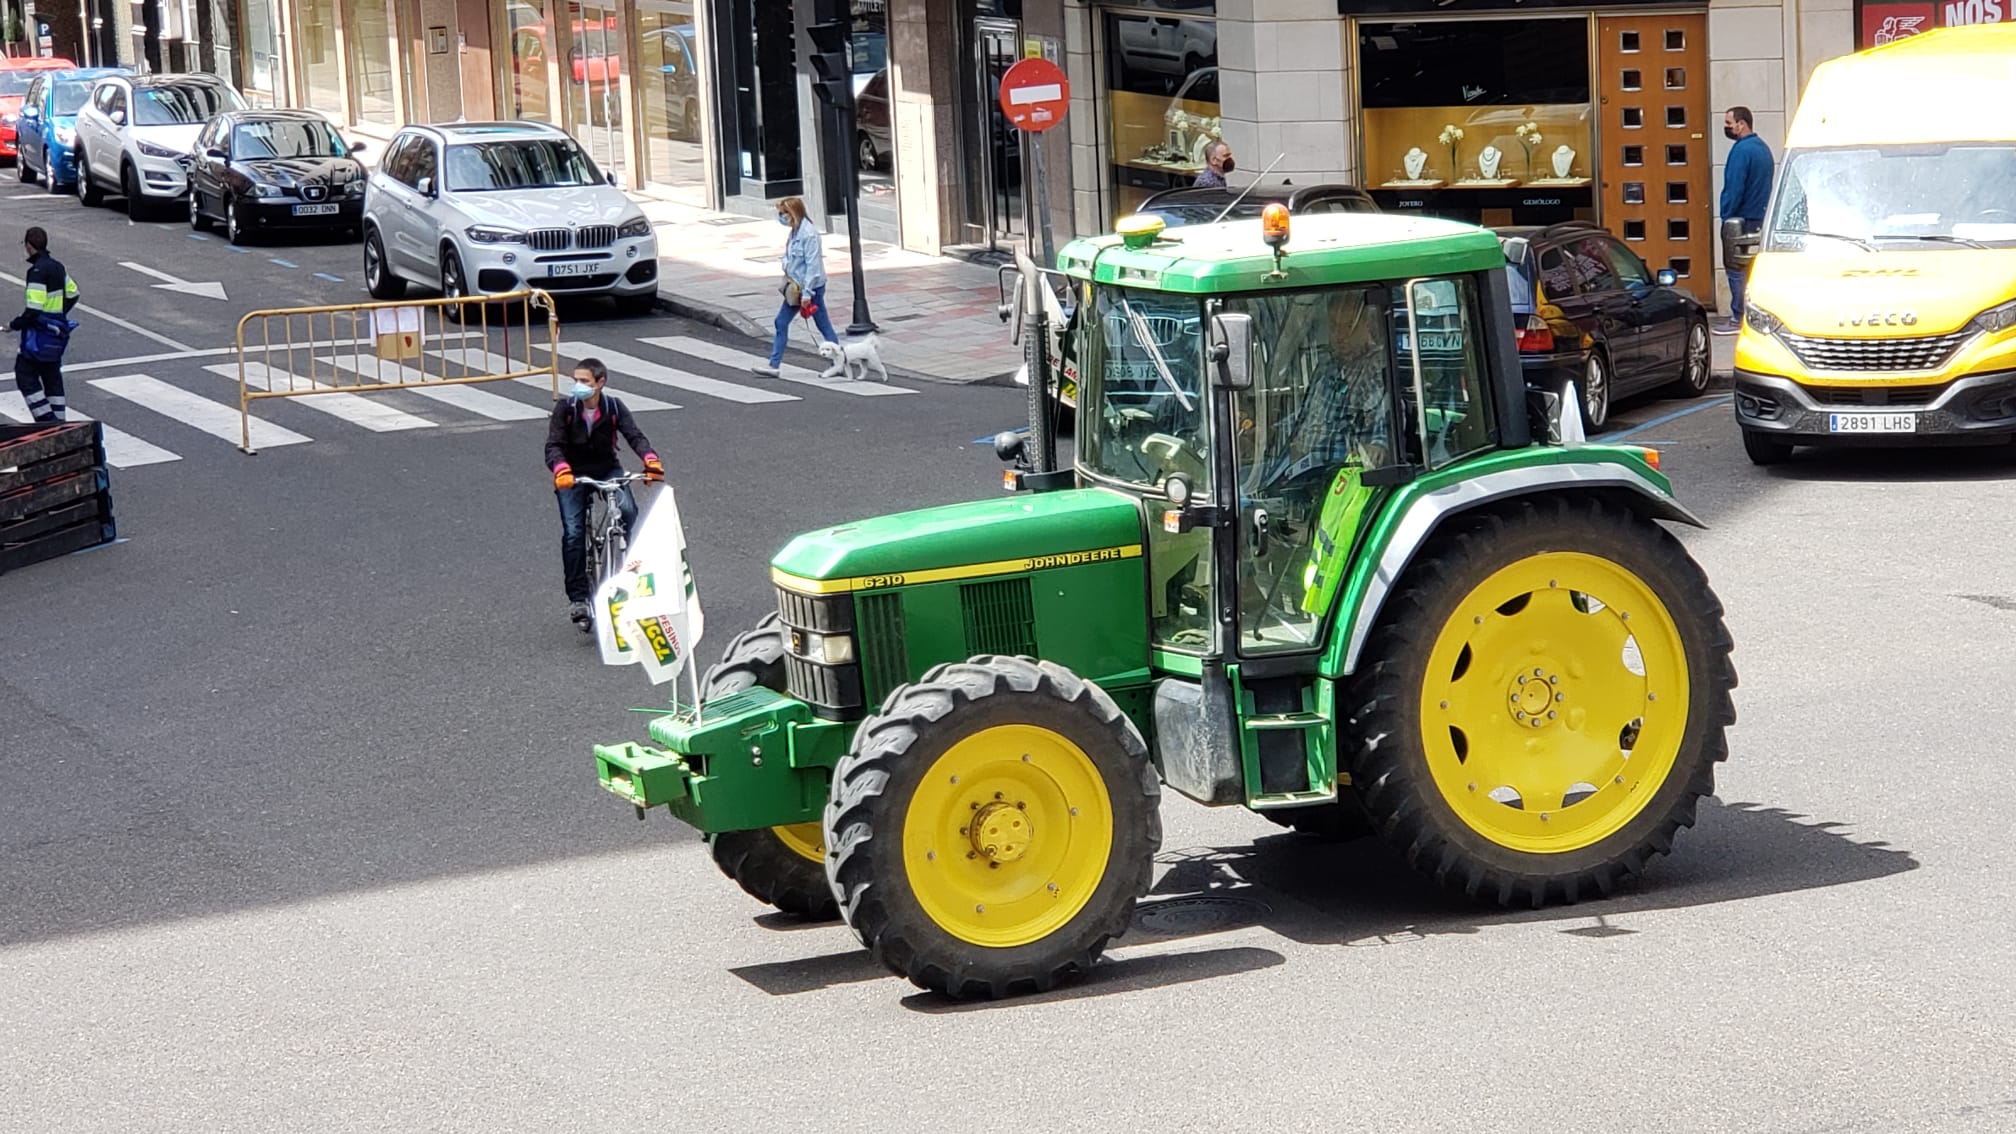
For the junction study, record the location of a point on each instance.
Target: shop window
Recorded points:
(1627, 42)
(371, 59)
(1634, 117)
(522, 70)
(1676, 117)
(1161, 103)
(1676, 154)
(875, 134)
(672, 64)
(1634, 192)
(1631, 80)
(1683, 266)
(1676, 229)
(321, 66)
(1676, 78)
(1634, 155)
(1676, 39)
(1676, 192)
(1634, 230)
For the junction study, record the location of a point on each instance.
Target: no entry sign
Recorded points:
(1034, 95)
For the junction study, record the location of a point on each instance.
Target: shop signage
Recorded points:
(1034, 95)
(1403, 7)
(1878, 22)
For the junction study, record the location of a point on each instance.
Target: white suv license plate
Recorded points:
(577, 268)
(315, 210)
(1872, 423)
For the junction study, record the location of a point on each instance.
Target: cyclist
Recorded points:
(581, 441)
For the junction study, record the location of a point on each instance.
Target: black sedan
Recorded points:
(1178, 207)
(1589, 311)
(262, 170)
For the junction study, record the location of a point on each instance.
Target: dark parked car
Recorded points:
(1178, 207)
(1590, 311)
(263, 170)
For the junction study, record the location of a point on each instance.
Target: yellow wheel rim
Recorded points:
(806, 840)
(1555, 703)
(1008, 836)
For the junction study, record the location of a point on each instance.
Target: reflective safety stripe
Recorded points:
(40, 298)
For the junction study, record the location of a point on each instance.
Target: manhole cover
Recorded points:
(1183, 917)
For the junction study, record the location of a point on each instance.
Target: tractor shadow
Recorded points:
(1361, 892)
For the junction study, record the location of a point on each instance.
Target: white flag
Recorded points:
(649, 612)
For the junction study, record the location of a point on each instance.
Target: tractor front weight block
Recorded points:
(750, 760)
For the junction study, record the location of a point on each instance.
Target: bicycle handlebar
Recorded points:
(617, 482)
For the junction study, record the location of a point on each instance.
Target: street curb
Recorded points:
(740, 324)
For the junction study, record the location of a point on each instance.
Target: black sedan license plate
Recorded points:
(315, 210)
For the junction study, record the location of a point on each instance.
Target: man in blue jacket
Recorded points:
(1746, 191)
(51, 293)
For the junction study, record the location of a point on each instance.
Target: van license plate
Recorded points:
(580, 268)
(315, 210)
(1872, 423)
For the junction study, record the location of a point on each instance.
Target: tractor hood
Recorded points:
(1024, 532)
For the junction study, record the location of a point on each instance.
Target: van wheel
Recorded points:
(1764, 449)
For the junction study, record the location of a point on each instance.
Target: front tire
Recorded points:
(992, 827)
(197, 221)
(1543, 702)
(234, 229)
(1694, 364)
(1764, 449)
(129, 187)
(454, 284)
(88, 193)
(378, 277)
(21, 170)
(1595, 391)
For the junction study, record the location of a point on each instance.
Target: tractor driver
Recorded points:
(1347, 409)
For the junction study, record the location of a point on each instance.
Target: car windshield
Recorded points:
(70, 97)
(182, 103)
(286, 139)
(1956, 195)
(542, 163)
(1177, 215)
(15, 83)
(1142, 383)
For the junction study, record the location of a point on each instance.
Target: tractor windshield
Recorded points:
(1141, 397)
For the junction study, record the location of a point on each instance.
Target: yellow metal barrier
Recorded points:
(396, 345)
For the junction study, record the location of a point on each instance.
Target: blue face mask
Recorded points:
(580, 391)
(784, 219)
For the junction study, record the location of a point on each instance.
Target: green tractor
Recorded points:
(1320, 554)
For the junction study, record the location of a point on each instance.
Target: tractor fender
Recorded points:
(1426, 512)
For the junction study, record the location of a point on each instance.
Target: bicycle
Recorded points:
(607, 539)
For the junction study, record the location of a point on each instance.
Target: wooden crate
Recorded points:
(55, 492)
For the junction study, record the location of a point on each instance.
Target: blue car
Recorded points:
(47, 133)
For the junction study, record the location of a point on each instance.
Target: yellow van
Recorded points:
(1881, 307)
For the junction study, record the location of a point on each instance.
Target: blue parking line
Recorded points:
(197, 236)
(1676, 414)
(327, 276)
(282, 263)
(238, 250)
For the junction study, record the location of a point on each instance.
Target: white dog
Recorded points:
(853, 358)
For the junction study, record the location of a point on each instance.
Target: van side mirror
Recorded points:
(1667, 277)
(1232, 349)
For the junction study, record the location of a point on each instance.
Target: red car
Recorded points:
(15, 75)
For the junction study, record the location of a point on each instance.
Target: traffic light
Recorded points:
(833, 79)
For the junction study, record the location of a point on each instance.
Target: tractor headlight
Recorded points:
(1995, 320)
(826, 649)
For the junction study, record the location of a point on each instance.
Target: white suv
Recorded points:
(480, 208)
(134, 134)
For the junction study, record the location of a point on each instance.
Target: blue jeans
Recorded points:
(786, 313)
(1737, 279)
(574, 506)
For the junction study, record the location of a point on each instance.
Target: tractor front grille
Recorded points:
(885, 659)
(833, 691)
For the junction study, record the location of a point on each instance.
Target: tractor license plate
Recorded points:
(315, 210)
(1872, 423)
(576, 268)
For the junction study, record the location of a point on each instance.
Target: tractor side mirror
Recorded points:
(1667, 277)
(1012, 446)
(1232, 349)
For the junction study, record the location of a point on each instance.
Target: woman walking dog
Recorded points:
(804, 282)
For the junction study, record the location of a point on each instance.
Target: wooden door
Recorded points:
(1654, 128)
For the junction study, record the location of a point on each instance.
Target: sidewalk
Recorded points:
(936, 315)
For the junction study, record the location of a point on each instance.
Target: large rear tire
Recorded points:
(992, 827)
(1542, 703)
(781, 866)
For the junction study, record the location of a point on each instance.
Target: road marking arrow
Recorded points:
(172, 283)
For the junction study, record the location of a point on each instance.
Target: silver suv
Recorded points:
(482, 208)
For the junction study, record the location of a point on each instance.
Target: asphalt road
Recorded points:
(298, 827)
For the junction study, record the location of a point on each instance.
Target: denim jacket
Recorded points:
(804, 258)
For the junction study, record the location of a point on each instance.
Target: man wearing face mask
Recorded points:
(1217, 163)
(581, 442)
(45, 329)
(1746, 191)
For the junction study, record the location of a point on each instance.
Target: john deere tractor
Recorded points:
(1319, 553)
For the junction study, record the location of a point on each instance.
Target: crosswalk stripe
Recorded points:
(633, 367)
(487, 362)
(729, 356)
(122, 449)
(214, 418)
(371, 368)
(360, 411)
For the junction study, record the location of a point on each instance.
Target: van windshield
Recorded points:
(1881, 198)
